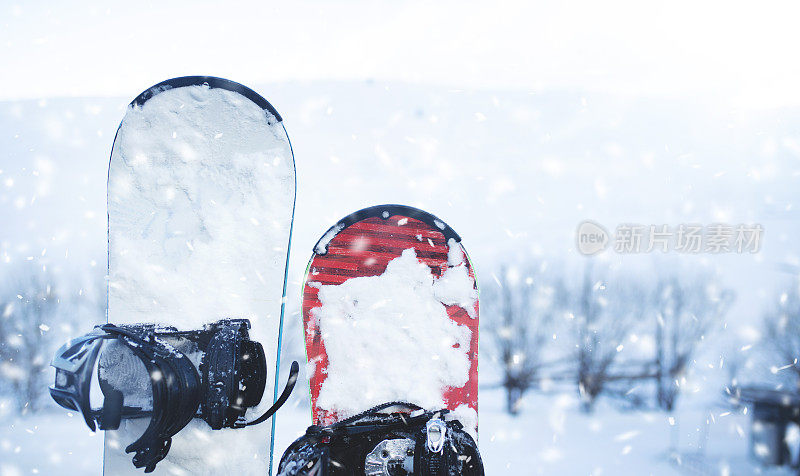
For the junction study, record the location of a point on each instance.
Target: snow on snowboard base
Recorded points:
(390, 313)
(201, 191)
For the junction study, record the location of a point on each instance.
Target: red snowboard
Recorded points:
(362, 244)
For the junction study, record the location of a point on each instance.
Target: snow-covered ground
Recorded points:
(550, 436)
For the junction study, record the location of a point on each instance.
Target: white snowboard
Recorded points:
(201, 190)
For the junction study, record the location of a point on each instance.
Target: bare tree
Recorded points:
(604, 319)
(685, 312)
(527, 305)
(782, 336)
(29, 302)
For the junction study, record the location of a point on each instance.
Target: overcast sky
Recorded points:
(742, 54)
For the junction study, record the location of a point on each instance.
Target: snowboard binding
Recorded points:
(215, 373)
(393, 439)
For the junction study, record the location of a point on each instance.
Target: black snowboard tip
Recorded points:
(211, 82)
(385, 211)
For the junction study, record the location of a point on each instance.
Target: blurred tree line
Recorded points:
(610, 334)
(602, 333)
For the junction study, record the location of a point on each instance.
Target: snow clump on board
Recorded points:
(389, 338)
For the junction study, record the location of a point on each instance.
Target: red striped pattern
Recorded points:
(364, 249)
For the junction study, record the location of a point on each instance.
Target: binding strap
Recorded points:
(287, 390)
